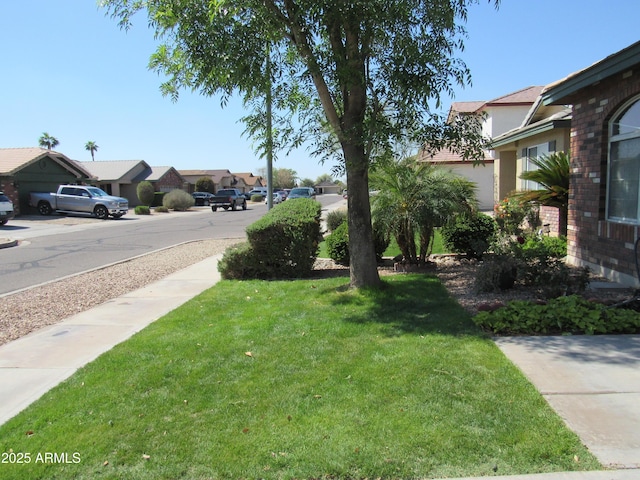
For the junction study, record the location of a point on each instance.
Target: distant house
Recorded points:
(250, 181)
(546, 129)
(327, 187)
(498, 116)
(604, 201)
(122, 177)
(24, 170)
(220, 178)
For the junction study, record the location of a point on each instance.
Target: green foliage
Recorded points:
(142, 210)
(178, 200)
(471, 235)
(568, 314)
(338, 244)
(145, 192)
(541, 246)
(414, 199)
(511, 214)
(205, 184)
(162, 209)
(282, 244)
(335, 218)
(257, 198)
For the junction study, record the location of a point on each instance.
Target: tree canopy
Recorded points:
(354, 76)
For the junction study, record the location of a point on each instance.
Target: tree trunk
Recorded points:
(363, 264)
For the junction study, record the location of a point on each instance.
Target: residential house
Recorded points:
(545, 130)
(25, 170)
(220, 178)
(122, 177)
(327, 187)
(604, 200)
(250, 181)
(497, 117)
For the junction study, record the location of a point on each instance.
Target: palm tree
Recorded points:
(48, 142)
(93, 148)
(553, 176)
(416, 198)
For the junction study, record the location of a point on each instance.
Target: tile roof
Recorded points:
(524, 96)
(14, 159)
(107, 170)
(446, 156)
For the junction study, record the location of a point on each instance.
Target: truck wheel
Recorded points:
(213, 209)
(44, 208)
(244, 205)
(101, 212)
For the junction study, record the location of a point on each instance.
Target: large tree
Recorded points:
(358, 75)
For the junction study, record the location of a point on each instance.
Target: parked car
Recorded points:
(79, 199)
(6, 209)
(229, 198)
(277, 198)
(258, 191)
(202, 198)
(302, 192)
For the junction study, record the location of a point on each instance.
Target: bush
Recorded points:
(257, 198)
(282, 244)
(496, 273)
(569, 315)
(142, 210)
(549, 247)
(205, 184)
(178, 200)
(470, 235)
(338, 244)
(162, 209)
(145, 192)
(335, 218)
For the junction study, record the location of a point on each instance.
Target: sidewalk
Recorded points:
(593, 382)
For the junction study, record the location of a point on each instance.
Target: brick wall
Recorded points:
(169, 181)
(6, 186)
(606, 247)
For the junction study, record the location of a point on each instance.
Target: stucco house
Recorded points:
(221, 178)
(498, 116)
(24, 170)
(545, 130)
(604, 201)
(122, 177)
(249, 180)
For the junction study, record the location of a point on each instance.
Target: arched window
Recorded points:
(623, 184)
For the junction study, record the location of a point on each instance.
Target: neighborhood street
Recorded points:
(54, 247)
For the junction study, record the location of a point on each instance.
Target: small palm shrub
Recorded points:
(145, 192)
(142, 210)
(178, 200)
(471, 235)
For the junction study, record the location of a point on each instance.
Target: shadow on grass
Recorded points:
(412, 303)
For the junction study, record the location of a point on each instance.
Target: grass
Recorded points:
(299, 379)
(393, 250)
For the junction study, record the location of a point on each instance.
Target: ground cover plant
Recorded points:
(304, 379)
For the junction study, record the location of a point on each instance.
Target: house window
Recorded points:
(623, 192)
(532, 153)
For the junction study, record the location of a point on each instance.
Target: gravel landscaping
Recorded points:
(29, 310)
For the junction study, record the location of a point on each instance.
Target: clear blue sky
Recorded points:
(70, 71)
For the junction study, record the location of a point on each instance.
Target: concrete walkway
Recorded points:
(592, 382)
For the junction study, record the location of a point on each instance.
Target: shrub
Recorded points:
(162, 209)
(496, 273)
(335, 218)
(569, 315)
(145, 192)
(282, 244)
(338, 244)
(257, 198)
(552, 247)
(470, 235)
(178, 200)
(142, 210)
(205, 184)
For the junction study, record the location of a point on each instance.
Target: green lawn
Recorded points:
(303, 379)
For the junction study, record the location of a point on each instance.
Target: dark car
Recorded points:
(202, 198)
(301, 192)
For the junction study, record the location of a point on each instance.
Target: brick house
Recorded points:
(604, 204)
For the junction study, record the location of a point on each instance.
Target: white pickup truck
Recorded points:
(79, 199)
